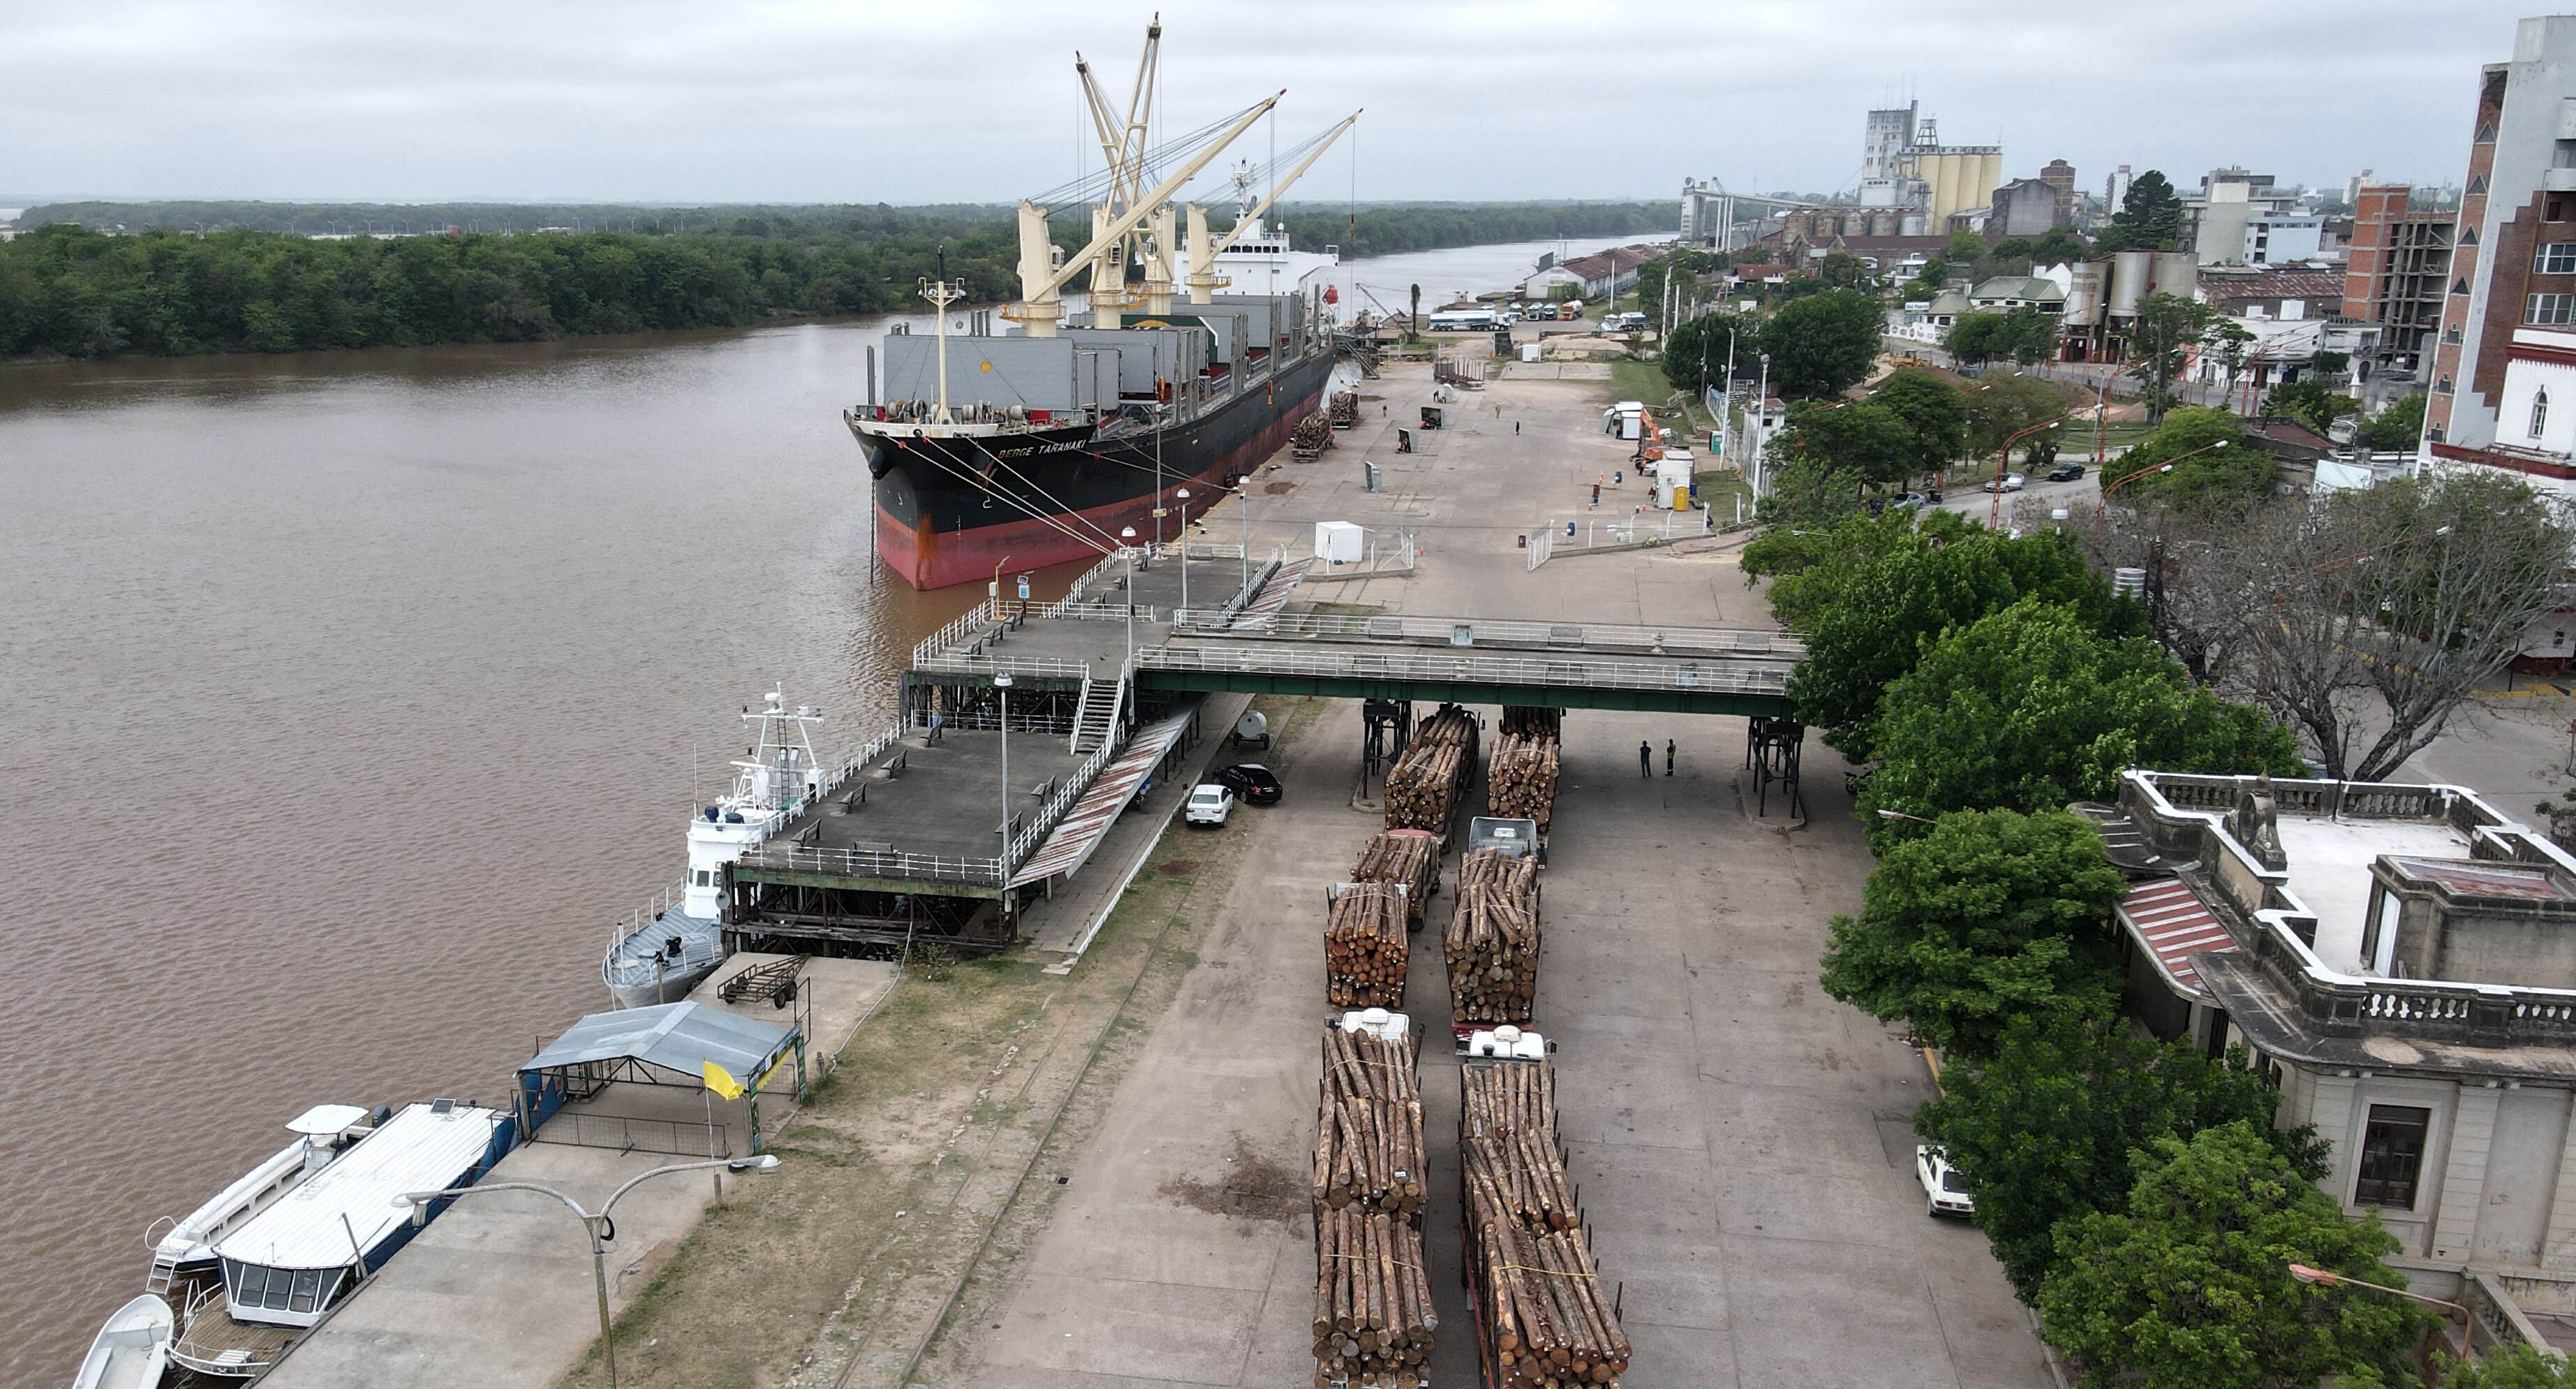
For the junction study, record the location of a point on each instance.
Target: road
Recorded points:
(1742, 1142)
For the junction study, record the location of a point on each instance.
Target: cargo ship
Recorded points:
(1180, 365)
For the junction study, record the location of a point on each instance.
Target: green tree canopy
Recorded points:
(2397, 428)
(1843, 270)
(1966, 247)
(2312, 403)
(1932, 411)
(1927, 282)
(1824, 343)
(1806, 496)
(2169, 328)
(2151, 213)
(2027, 336)
(1987, 918)
(2032, 708)
(2206, 450)
(2190, 1286)
(2003, 404)
(2516, 1366)
(1861, 437)
(2044, 1130)
(1698, 351)
(1891, 587)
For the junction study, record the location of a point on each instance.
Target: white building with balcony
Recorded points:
(2402, 960)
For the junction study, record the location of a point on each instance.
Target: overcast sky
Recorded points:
(974, 100)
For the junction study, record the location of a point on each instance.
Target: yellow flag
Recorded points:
(722, 1082)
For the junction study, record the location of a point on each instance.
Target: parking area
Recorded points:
(1742, 1142)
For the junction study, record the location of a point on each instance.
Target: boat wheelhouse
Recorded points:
(289, 1264)
(674, 942)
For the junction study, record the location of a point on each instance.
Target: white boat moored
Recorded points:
(132, 1350)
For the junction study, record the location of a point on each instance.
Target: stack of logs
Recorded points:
(1310, 438)
(1492, 942)
(1544, 1318)
(1373, 1311)
(1368, 1150)
(1408, 857)
(1344, 409)
(1365, 946)
(1422, 789)
(1520, 778)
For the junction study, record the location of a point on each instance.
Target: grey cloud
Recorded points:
(975, 101)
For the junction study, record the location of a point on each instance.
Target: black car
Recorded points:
(1251, 783)
(2066, 472)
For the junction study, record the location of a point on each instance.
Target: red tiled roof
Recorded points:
(2170, 919)
(2273, 284)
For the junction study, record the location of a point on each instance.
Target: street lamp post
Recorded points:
(1002, 686)
(1184, 495)
(596, 1223)
(1762, 424)
(2327, 1278)
(2003, 460)
(1127, 552)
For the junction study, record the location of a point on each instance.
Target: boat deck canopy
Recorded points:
(680, 1038)
(342, 1211)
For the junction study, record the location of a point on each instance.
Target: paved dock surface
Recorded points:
(1742, 1141)
(498, 1293)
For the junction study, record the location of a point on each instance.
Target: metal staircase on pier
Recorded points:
(1095, 720)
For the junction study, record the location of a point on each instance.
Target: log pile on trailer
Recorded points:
(1365, 946)
(1520, 778)
(1373, 1311)
(1544, 1320)
(1492, 943)
(1407, 857)
(1368, 1147)
(1344, 409)
(1422, 791)
(1310, 438)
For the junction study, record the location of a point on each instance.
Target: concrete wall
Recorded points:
(2524, 379)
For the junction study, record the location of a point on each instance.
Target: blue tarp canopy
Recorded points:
(677, 1037)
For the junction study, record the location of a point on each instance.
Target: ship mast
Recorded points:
(941, 293)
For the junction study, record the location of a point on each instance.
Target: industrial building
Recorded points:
(2504, 365)
(2397, 269)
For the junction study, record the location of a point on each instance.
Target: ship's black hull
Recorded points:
(952, 510)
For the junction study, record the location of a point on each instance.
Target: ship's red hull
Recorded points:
(925, 558)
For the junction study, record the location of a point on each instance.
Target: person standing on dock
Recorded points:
(1645, 758)
(1669, 749)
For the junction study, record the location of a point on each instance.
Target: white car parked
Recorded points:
(1208, 804)
(1944, 1191)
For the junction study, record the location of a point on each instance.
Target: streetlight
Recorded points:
(1762, 421)
(2328, 1278)
(1127, 552)
(2003, 460)
(1184, 495)
(601, 1229)
(1002, 684)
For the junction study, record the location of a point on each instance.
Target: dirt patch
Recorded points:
(1177, 867)
(1278, 489)
(1251, 1188)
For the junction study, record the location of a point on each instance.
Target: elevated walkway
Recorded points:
(1083, 826)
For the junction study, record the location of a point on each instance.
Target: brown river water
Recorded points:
(348, 700)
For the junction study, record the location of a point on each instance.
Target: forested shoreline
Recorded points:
(69, 290)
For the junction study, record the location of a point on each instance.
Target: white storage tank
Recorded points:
(2130, 271)
(1337, 542)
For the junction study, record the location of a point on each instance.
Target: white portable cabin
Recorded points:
(294, 1259)
(1673, 479)
(1337, 542)
(1627, 419)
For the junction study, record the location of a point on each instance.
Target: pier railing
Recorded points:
(1302, 660)
(1044, 667)
(1067, 791)
(1082, 586)
(876, 863)
(975, 619)
(1462, 633)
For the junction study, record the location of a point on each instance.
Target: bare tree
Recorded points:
(2367, 619)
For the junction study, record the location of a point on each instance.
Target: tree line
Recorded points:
(2138, 1194)
(71, 290)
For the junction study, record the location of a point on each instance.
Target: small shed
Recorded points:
(681, 1045)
